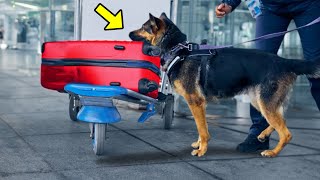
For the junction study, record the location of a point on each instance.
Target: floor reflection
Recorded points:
(26, 62)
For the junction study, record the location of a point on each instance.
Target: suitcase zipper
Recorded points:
(104, 63)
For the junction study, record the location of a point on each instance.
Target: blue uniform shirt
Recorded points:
(280, 6)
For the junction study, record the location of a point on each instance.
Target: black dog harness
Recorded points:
(185, 49)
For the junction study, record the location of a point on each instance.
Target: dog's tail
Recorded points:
(308, 68)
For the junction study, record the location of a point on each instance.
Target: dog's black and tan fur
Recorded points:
(267, 78)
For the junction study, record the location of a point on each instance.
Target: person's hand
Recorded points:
(222, 10)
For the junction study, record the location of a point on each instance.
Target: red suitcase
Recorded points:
(120, 63)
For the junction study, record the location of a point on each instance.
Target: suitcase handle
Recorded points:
(115, 84)
(119, 47)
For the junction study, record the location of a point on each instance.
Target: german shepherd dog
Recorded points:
(265, 77)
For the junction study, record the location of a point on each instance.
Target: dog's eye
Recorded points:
(147, 29)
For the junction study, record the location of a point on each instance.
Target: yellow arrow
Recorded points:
(115, 21)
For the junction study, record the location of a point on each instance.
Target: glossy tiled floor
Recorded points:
(38, 141)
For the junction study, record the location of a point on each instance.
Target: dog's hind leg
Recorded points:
(268, 131)
(197, 104)
(273, 94)
(276, 121)
(265, 134)
(254, 95)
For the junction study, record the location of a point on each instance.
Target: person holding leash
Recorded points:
(274, 16)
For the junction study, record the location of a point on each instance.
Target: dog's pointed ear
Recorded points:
(163, 16)
(151, 17)
(155, 23)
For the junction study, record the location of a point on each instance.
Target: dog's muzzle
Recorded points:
(134, 37)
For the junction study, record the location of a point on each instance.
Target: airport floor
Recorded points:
(39, 141)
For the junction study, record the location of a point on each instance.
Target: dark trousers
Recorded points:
(270, 22)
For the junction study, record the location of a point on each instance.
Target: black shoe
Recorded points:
(252, 144)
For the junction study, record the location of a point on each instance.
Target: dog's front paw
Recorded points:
(195, 145)
(201, 151)
(198, 152)
(268, 153)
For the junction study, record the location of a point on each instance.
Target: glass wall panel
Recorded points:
(62, 19)
(64, 25)
(29, 23)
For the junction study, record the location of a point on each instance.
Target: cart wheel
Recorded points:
(99, 136)
(74, 107)
(168, 112)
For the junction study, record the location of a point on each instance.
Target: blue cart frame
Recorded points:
(93, 104)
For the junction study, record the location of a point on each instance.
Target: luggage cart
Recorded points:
(93, 104)
(96, 72)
